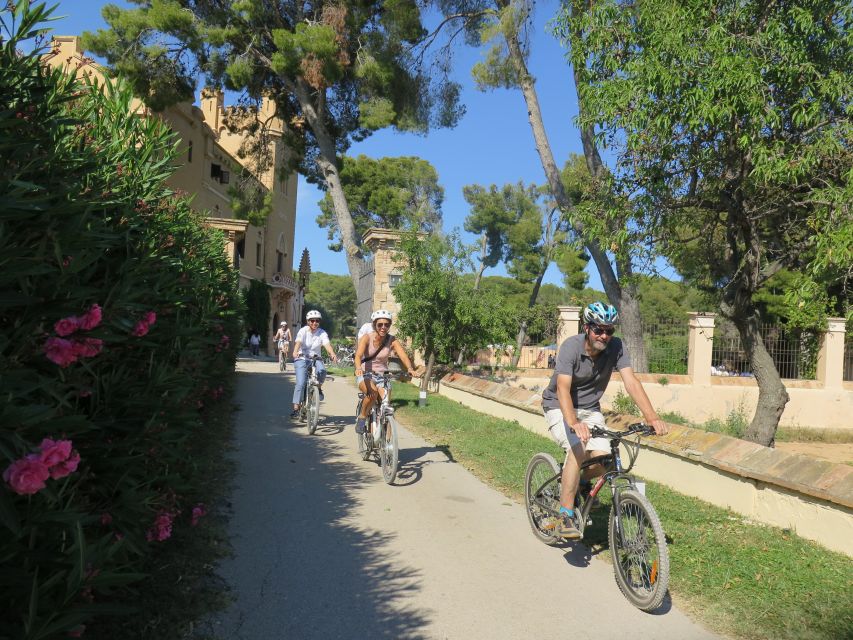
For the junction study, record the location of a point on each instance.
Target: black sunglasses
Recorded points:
(381, 325)
(314, 320)
(599, 330)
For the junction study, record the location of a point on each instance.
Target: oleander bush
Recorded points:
(119, 320)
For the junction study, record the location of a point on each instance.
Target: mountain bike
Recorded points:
(309, 410)
(635, 534)
(380, 434)
(346, 356)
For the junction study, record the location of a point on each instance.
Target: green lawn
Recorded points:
(735, 577)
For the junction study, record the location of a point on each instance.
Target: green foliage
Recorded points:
(87, 221)
(388, 193)
(257, 308)
(336, 295)
(440, 312)
(733, 122)
(623, 403)
(339, 71)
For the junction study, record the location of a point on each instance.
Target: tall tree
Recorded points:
(504, 25)
(336, 72)
(530, 232)
(733, 123)
(389, 193)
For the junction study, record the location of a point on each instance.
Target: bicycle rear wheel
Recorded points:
(542, 496)
(388, 452)
(638, 546)
(282, 363)
(313, 410)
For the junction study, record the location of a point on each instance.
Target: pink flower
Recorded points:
(54, 451)
(66, 467)
(198, 512)
(149, 318)
(87, 347)
(60, 351)
(162, 528)
(77, 631)
(140, 329)
(106, 519)
(66, 326)
(26, 476)
(91, 319)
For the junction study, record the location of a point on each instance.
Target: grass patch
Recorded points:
(736, 577)
(181, 587)
(805, 434)
(340, 372)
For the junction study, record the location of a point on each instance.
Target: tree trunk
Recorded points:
(772, 395)
(461, 357)
(632, 322)
(327, 161)
(609, 280)
(422, 396)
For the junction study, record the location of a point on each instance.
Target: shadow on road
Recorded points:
(301, 568)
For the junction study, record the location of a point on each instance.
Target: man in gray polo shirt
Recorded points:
(571, 401)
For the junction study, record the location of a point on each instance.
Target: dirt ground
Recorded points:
(834, 452)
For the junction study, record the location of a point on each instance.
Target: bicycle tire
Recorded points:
(282, 363)
(389, 455)
(640, 554)
(542, 498)
(313, 410)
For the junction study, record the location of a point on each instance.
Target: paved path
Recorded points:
(324, 549)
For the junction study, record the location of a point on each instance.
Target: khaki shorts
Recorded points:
(566, 438)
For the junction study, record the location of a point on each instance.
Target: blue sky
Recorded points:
(491, 145)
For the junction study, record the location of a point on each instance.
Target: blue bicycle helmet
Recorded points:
(600, 313)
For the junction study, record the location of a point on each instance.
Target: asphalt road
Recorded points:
(324, 549)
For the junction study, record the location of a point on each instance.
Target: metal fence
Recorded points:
(667, 346)
(848, 356)
(794, 351)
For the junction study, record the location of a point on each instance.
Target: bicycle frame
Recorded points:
(381, 409)
(613, 474)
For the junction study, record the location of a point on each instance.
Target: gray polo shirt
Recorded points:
(589, 377)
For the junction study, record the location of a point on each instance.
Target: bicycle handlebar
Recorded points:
(637, 428)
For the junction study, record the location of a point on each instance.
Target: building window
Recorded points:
(215, 171)
(190, 151)
(259, 254)
(394, 279)
(279, 261)
(240, 250)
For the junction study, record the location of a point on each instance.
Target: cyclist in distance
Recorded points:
(309, 340)
(371, 360)
(282, 338)
(571, 401)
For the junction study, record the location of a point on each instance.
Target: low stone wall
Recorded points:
(810, 496)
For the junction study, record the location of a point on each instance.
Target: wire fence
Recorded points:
(667, 346)
(848, 357)
(794, 351)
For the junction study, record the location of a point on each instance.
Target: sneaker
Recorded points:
(322, 396)
(294, 413)
(359, 425)
(566, 527)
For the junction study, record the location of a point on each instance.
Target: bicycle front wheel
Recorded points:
(542, 497)
(638, 546)
(313, 410)
(388, 452)
(282, 363)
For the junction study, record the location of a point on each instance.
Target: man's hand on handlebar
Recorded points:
(661, 428)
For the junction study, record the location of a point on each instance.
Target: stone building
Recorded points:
(380, 274)
(210, 168)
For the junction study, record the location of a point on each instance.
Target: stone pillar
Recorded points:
(569, 326)
(830, 359)
(700, 346)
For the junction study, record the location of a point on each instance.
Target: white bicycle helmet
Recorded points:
(313, 314)
(600, 313)
(381, 313)
(282, 324)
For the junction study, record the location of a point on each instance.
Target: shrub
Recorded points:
(119, 316)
